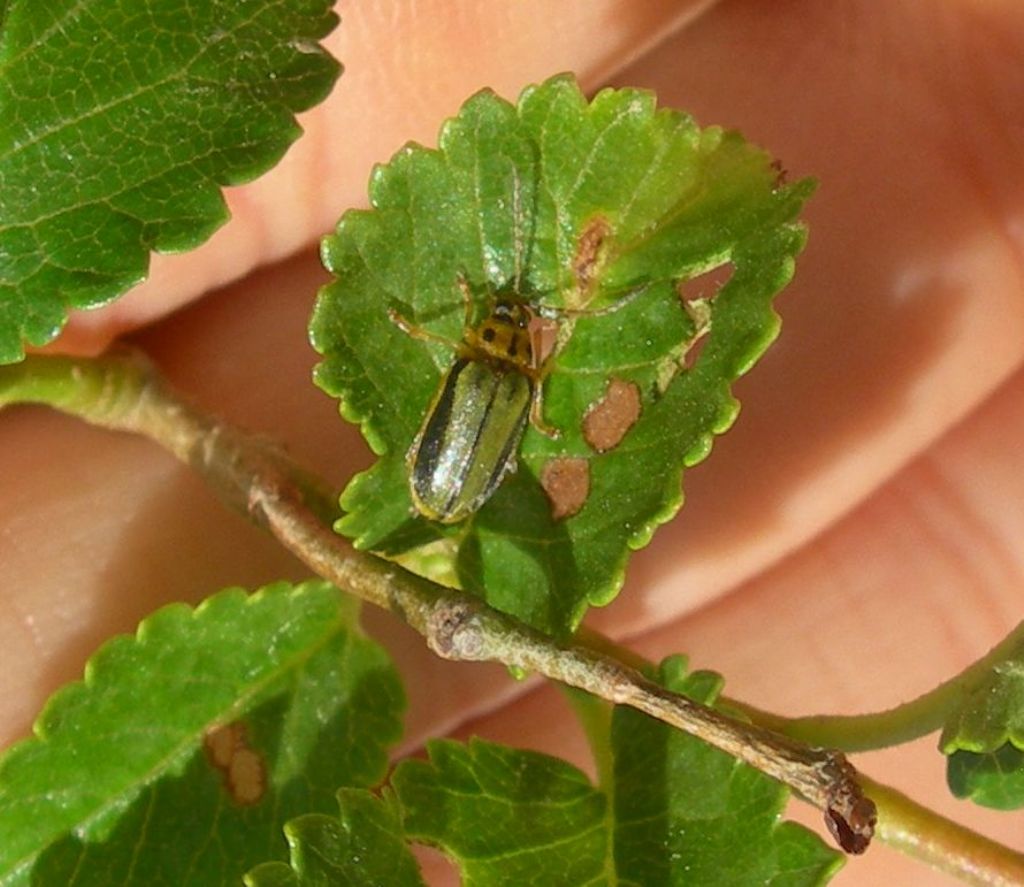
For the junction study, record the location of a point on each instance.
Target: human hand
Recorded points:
(905, 319)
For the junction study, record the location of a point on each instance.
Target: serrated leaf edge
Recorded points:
(93, 672)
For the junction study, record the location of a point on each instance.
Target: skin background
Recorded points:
(850, 543)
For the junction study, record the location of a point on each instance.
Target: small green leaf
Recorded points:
(687, 813)
(118, 124)
(984, 737)
(189, 745)
(993, 779)
(677, 812)
(507, 817)
(562, 204)
(363, 847)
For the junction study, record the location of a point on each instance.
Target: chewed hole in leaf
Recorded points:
(434, 860)
(698, 294)
(544, 333)
(706, 285)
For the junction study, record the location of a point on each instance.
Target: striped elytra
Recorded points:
(469, 440)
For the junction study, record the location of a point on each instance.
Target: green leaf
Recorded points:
(118, 124)
(562, 204)
(687, 813)
(363, 847)
(507, 817)
(993, 779)
(677, 812)
(189, 745)
(984, 736)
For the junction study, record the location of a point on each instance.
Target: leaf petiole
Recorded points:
(902, 723)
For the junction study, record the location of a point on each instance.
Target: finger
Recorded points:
(218, 353)
(142, 535)
(906, 309)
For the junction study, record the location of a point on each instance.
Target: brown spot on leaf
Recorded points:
(567, 483)
(780, 173)
(245, 777)
(588, 251)
(219, 744)
(609, 418)
(241, 766)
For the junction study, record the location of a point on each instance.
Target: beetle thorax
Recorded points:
(504, 335)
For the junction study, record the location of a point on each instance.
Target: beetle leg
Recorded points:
(418, 332)
(537, 410)
(537, 373)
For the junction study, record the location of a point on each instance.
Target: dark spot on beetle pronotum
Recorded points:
(241, 767)
(608, 419)
(588, 250)
(567, 484)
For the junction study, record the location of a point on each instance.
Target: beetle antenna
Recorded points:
(550, 312)
(517, 234)
(467, 301)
